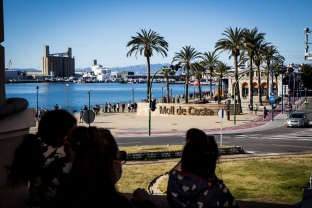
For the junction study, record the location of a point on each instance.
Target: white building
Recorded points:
(264, 85)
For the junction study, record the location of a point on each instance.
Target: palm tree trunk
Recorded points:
(167, 89)
(186, 85)
(237, 86)
(148, 77)
(268, 85)
(210, 88)
(259, 83)
(277, 84)
(219, 90)
(199, 89)
(251, 74)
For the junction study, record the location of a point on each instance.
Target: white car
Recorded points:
(297, 119)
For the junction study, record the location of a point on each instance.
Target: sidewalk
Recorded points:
(130, 124)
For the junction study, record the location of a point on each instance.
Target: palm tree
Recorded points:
(278, 66)
(210, 60)
(251, 43)
(258, 58)
(233, 42)
(147, 42)
(220, 72)
(269, 52)
(166, 72)
(185, 57)
(198, 70)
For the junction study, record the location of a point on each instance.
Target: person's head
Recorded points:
(97, 163)
(194, 133)
(200, 155)
(27, 161)
(54, 126)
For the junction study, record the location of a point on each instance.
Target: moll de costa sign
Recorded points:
(185, 110)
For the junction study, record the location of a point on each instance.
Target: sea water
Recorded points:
(73, 96)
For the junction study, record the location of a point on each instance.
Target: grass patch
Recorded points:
(156, 148)
(275, 179)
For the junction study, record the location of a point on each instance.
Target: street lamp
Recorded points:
(67, 97)
(37, 112)
(133, 95)
(89, 92)
(272, 91)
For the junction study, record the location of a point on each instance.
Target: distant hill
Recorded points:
(137, 69)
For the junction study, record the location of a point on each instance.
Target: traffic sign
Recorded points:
(272, 99)
(88, 116)
(271, 93)
(221, 113)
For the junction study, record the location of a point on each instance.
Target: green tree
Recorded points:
(220, 72)
(252, 39)
(146, 43)
(258, 59)
(278, 66)
(184, 59)
(198, 70)
(167, 72)
(268, 52)
(210, 61)
(233, 42)
(307, 75)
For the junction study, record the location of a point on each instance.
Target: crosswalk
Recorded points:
(303, 136)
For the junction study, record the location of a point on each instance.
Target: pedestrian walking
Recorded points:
(123, 107)
(255, 107)
(265, 112)
(81, 115)
(129, 107)
(250, 108)
(117, 107)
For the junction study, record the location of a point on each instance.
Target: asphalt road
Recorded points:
(265, 141)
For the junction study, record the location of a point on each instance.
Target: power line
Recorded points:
(300, 33)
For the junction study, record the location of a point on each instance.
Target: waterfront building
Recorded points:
(244, 82)
(284, 82)
(58, 64)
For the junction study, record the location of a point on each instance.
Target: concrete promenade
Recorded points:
(130, 124)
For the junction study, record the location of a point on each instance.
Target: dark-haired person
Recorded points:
(40, 161)
(196, 184)
(97, 167)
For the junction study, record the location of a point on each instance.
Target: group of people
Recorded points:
(65, 165)
(254, 108)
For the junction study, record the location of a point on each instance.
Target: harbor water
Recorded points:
(73, 96)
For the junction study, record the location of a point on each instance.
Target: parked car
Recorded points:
(297, 119)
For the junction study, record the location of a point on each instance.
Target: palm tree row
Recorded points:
(241, 43)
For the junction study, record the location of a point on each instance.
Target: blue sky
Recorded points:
(101, 29)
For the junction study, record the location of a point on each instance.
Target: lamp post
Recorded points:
(272, 91)
(67, 97)
(149, 100)
(37, 111)
(89, 92)
(289, 90)
(133, 95)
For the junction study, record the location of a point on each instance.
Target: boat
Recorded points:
(202, 83)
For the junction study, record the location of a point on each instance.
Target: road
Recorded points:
(265, 141)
